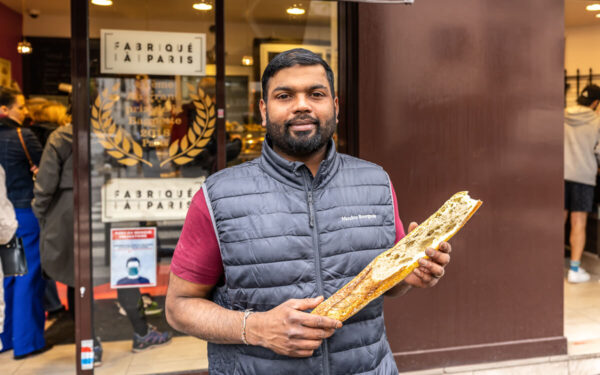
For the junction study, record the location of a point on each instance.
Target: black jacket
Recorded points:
(19, 182)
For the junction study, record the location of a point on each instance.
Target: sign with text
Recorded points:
(132, 257)
(152, 52)
(142, 199)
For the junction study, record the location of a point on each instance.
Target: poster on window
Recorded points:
(133, 257)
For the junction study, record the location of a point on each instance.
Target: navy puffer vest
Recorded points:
(284, 234)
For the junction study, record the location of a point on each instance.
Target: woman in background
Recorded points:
(8, 227)
(24, 314)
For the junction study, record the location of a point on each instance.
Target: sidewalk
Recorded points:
(582, 329)
(182, 355)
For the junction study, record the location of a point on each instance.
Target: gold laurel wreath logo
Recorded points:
(184, 150)
(117, 142)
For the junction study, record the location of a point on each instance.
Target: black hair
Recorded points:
(588, 95)
(133, 259)
(8, 96)
(292, 57)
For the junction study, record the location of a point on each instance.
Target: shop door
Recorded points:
(153, 141)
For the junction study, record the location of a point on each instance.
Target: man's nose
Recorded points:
(302, 104)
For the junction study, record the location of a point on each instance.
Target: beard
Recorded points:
(300, 143)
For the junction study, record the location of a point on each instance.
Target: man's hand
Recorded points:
(290, 331)
(430, 270)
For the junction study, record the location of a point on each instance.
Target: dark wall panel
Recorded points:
(468, 96)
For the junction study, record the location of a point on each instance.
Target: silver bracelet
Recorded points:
(247, 313)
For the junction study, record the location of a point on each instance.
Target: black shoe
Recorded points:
(34, 353)
(151, 340)
(97, 352)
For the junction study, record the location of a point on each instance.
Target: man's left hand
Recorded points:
(430, 270)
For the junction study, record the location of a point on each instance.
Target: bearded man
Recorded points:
(264, 242)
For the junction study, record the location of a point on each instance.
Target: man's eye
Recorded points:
(282, 96)
(318, 94)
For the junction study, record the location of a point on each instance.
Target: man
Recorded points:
(24, 318)
(582, 133)
(133, 273)
(267, 240)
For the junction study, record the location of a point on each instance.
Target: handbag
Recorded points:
(12, 255)
(32, 167)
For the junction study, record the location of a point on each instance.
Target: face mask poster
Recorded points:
(132, 257)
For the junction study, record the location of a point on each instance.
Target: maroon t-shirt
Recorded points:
(197, 257)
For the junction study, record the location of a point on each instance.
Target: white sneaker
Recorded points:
(580, 276)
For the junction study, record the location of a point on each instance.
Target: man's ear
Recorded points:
(337, 109)
(3, 110)
(263, 112)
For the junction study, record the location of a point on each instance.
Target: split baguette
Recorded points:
(393, 265)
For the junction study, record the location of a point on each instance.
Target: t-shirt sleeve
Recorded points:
(197, 257)
(399, 228)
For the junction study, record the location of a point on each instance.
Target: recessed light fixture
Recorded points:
(598, 15)
(247, 61)
(24, 47)
(202, 6)
(102, 3)
(296, 10)
(593, 7)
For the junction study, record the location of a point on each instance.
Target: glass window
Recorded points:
(255, 32)
(153, 142)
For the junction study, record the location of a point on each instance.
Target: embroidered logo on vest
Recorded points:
(359, 217)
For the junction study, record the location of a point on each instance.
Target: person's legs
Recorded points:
(52, 302)
(71, 300)
(145, 336)
(129, 298)
(577, 236)
(6, 336)
(28, 308)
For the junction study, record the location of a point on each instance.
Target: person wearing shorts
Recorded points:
(582, 136)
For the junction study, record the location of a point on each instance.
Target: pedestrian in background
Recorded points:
(20, 153)
(53, 206)
(582, 135)
(8, 227)
(47, 116)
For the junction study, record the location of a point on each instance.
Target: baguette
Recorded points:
(393, 265)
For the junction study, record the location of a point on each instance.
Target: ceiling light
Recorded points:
(247, 61)
(102, 3)
(295, 10)
(202, 6)
(598, 15)
(24, 47)
(593, 7)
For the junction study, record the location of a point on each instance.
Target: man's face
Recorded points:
(300, 113)
(17, 111)
(133, 268)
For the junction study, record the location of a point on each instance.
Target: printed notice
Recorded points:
(133, 257)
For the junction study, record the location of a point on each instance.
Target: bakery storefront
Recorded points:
(165, 93)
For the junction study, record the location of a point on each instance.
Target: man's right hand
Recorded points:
(288, 330)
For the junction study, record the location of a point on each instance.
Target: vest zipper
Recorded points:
(312, 221)
(311, 212)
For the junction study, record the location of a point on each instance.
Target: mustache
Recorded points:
(303, 117)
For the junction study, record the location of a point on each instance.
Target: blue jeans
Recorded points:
(24, 295)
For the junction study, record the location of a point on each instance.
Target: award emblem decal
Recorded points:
(125, 149)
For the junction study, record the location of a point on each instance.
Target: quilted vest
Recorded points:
(284, 234)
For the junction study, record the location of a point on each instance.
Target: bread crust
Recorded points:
(398, 262)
